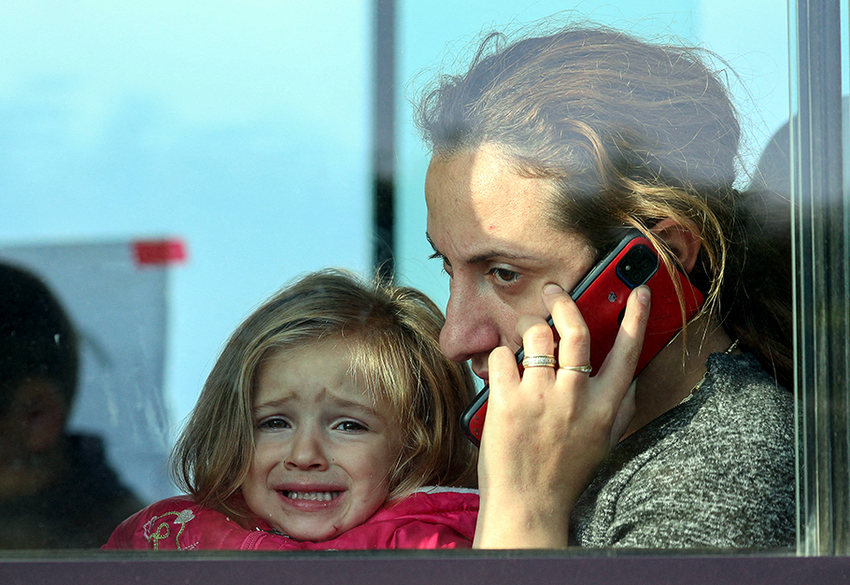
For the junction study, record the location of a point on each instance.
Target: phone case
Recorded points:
(601, 297)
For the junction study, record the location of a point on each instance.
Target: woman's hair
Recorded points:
(627, 133)
(392, 335)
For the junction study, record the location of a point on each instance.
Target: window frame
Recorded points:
(822, 345)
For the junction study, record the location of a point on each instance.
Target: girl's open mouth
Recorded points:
(311, 496)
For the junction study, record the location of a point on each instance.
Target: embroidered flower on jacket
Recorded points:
(162, 530)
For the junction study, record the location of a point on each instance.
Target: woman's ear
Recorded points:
(681, 237)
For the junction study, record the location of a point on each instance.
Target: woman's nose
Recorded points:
(469, 329)
(307, 452)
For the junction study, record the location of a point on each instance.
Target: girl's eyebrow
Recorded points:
(337, 401)
(271, 404)
(348, 404)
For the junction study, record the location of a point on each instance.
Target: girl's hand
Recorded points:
(548, 429)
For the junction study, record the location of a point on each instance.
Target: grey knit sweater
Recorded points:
(714, 472)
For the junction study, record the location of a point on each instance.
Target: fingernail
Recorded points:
(643, 294)
(552, 289)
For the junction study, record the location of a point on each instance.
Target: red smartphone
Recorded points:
(601, 297)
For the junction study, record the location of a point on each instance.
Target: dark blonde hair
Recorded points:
(627, 133)
(392, 334)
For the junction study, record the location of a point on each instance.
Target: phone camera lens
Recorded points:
(637, 266)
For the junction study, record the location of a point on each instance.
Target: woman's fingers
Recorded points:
(537, 340)
(547, 430)
(612, 389)
(618, 369)
(523, 467)
(502, 367)
(574, 344)
(539, 360)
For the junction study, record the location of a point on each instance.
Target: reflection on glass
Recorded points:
(56, 488)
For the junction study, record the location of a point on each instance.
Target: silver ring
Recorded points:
(582, 369)
(539, 361)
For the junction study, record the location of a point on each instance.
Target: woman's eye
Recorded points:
(503, 275)
(447, 268)
(350, 426)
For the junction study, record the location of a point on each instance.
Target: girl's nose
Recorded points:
(307, 451)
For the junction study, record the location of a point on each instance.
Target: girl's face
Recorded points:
(324, 450)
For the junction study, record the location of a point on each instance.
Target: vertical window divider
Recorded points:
(821, 337)
(383, 136)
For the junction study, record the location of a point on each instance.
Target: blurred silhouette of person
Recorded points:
(56, 488)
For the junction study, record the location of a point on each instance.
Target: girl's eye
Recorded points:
(350, 426)
(273, 424)
(503, 275)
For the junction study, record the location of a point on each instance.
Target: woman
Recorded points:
(544, 152)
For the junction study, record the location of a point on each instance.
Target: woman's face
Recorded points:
(489, 226)
(324, 450)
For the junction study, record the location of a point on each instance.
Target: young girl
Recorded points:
(327, 412)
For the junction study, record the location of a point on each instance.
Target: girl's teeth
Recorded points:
(315, 496)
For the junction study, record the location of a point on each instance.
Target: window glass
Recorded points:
(237, 133)
(241, 136)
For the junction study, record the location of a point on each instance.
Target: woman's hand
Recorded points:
(547, 430)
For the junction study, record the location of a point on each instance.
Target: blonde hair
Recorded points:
(392, 334)
(627, 133)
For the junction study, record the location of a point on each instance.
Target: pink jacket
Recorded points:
(429, 519)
